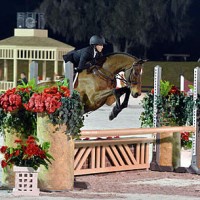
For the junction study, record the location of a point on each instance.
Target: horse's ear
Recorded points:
(141, 61)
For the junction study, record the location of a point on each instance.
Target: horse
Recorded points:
(97, 86)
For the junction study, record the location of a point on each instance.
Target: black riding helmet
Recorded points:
(97, 40)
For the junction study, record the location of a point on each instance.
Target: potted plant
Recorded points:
(175, 108)
(56, 116)
(26, 157)
(59, 119)
(186, 140)
(186, 153)
(19, 107)
(13, 116)
(15, 121)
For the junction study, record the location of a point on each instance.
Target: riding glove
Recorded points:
(76, 69)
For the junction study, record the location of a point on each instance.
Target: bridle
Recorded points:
(128, 81)
(111, 77)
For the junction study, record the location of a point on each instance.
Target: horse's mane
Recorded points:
(122, 53)
(102, 59)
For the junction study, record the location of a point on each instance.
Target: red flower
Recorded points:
(185, 136)
(17, 152)
(44, 102)
(27, 153)
(10, 101)
(65, 90)
(41, 153)
(3, 163)
(3, 149)
(30, 139)
(174, 90)
(52, 90)
(18, 141)
(7, 156)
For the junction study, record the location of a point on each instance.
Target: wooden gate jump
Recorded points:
(126, 149)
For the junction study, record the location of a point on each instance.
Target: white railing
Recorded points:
(5, 85)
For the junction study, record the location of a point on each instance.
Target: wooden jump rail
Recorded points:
(135, 131)
(128, 151)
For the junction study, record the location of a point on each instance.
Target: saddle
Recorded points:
(93, 69)
(96, 65)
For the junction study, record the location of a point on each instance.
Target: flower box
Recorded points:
(26, 181)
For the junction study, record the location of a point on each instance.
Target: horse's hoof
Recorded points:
(111, 117)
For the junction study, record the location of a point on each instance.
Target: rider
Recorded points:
(86, 57)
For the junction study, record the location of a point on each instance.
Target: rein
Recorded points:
(104, 76)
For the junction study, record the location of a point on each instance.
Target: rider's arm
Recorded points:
(85, 56)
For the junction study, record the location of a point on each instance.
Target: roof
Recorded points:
(33, 42)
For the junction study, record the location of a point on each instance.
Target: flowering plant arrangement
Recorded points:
(13, 115)
(19, 107)
(186, 141)
(27, 154)
(174, 107)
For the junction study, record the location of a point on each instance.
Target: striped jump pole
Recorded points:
(195, 164)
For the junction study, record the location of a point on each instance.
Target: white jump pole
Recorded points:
(182, 80)
(156, 148)
(157, 79)
(195, 164)
(69, 75)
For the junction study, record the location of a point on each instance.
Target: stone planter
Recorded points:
(26, 181)
(170, 146)
(60, 175)
(186, 157)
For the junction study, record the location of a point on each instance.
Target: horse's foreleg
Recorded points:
(118, 107)
(125, 102)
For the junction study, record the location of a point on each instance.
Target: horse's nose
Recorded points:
(136, 95)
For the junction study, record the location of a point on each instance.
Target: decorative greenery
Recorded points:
(27, 154)
(19, 107)
(174, 106)
(70, 113)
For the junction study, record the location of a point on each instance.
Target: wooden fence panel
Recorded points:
(111, 155)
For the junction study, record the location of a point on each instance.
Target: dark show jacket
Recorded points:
(80, 57)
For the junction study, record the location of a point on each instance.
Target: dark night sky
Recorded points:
(191, 44)
(8, 14)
